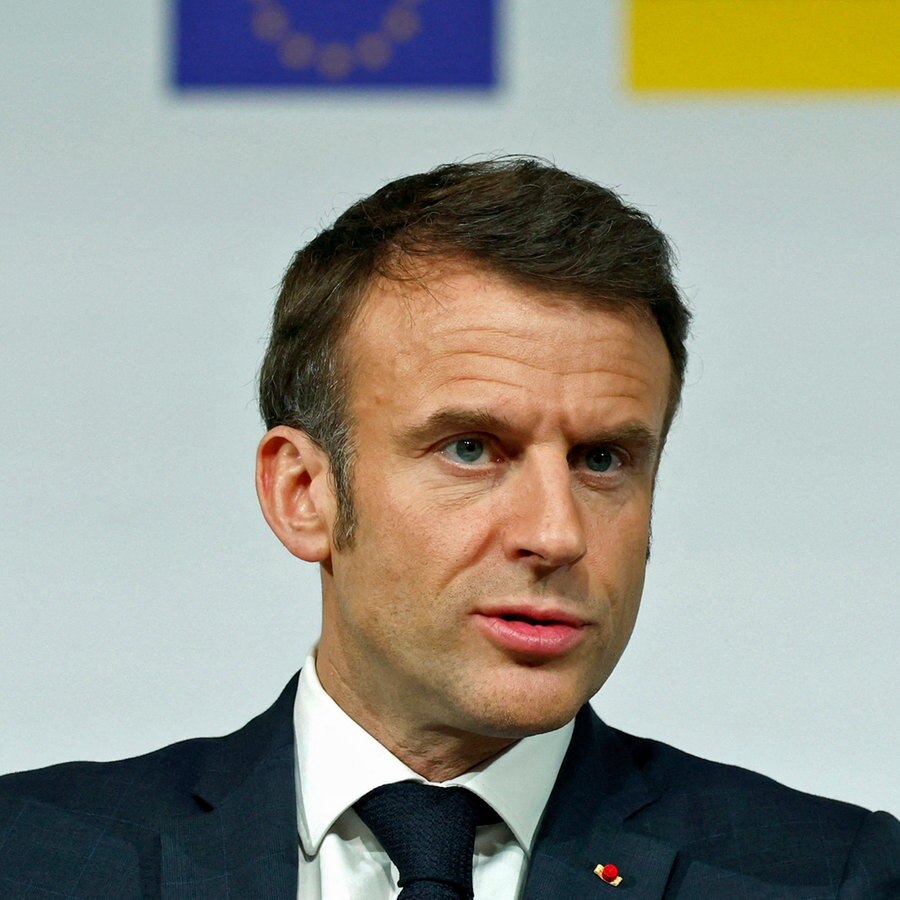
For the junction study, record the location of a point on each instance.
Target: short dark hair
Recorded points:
(520, 217)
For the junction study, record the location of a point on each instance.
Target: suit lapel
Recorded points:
(242, 841)
(598, 788)
(567, 871)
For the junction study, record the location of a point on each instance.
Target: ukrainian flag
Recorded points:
(764, 45)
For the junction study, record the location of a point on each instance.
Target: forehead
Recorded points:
(461, 332)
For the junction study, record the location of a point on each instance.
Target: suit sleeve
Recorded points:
(873, 865)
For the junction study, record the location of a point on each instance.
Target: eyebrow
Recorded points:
(452, 419)
(635, 436)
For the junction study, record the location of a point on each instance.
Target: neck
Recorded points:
(436, 752)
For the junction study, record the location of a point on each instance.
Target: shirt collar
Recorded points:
(338, 762)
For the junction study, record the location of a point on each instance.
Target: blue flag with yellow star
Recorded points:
(332, 43)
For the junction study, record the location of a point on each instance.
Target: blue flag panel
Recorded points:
(329, 43)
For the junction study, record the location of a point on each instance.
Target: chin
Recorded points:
(512, 726)
(523, 712)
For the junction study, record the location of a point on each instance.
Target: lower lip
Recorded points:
(545, 641)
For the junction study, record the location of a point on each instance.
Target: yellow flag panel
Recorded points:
(764, 45)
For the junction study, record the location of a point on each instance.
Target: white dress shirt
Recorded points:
(338, 762)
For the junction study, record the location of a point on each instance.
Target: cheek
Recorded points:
(412, 524)
(621, 535)
(618, 561)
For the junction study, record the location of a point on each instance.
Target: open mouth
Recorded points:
(528, 620)
(537, 617)
(532, 633)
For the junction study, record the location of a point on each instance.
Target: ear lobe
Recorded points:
(294, 491)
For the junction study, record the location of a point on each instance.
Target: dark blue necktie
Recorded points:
(429, 834)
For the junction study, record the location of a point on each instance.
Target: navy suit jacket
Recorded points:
(216, 818)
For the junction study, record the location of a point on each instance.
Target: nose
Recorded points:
(545, 524)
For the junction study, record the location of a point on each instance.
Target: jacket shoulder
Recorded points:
(90, 829)
(725, 818)
(127, 788)
(95, 830)
(158, 785)
(706, 788)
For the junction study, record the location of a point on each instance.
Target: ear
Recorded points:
(293, 484)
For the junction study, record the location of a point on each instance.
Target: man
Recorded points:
(470, 379)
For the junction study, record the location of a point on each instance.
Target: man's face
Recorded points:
(506, 446)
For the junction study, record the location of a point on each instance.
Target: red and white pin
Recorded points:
(609, 873)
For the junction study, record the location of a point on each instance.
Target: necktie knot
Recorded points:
(429, 834)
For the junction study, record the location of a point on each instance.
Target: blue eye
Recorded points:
(466, 450)
(601, 459)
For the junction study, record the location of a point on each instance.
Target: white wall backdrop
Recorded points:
(142, 598)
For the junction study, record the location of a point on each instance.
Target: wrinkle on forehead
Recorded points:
(631, 391)
(481, 328)
(621, 394)
(558, 362)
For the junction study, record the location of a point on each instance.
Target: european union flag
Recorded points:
(316, 43)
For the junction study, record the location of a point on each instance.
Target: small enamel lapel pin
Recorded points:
(608, 873)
